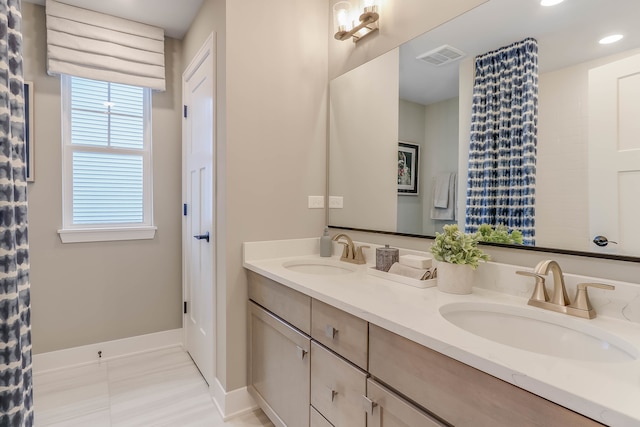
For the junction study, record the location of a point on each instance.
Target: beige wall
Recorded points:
(84, 293)
(435, 128)
(441, 154)
(362, 176)
(271, 136)
(411, 128)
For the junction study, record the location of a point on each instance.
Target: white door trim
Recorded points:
(205, 53)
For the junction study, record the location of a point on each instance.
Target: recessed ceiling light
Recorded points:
(550, 2)
(611, 39)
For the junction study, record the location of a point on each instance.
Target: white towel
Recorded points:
(415, 261)
(441, 190)
(448, 213)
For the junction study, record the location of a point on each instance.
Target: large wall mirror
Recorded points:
(588, 124)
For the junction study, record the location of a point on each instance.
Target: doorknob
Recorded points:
(204, 236)
(602, 241)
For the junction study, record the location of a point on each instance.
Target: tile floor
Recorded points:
(161, 388)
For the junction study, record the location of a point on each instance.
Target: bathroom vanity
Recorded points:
(330, 345)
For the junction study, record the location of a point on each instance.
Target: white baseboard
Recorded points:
(233, 403)
(110, 349)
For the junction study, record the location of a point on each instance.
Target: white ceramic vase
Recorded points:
(455, 278)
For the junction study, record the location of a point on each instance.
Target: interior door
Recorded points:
(198, 190)
(614, 154)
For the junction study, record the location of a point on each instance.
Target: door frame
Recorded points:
(205, 53)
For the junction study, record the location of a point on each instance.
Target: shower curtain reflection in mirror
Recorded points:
(502, 148)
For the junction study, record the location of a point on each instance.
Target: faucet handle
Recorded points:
(581, 302)
(540, 290)
(359, 257)
(345, 251)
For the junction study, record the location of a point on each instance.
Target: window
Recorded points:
(106, 137)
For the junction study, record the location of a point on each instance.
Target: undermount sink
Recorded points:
(319, 266)
(539, 332)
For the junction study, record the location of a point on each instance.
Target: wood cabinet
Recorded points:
(337, 388)
(279, 368)
(312, 364)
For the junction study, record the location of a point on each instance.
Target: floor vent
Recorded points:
(442, 55)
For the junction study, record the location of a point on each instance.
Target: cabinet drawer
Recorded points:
(341, 332)
(284, 302)
(318, 420)
(387, 409)
(279, 368)
(458, 393)
(337, 388)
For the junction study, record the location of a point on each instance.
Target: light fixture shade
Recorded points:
(354, 24)
(342, 19)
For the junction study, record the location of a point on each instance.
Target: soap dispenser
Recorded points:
(326, 245)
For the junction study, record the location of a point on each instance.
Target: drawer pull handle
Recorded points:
(301, 352)
(368, 405)
(330, 331)
(332, 393)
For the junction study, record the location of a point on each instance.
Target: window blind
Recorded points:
(93, 45)
(107, 189)
(108, 149)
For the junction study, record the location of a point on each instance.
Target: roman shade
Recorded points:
(92, 45)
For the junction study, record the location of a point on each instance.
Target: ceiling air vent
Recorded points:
(442, 55)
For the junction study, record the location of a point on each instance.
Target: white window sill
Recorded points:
(106, 234)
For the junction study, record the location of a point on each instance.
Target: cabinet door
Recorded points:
(385, 408)
(342, 332)
(337, 388)
(279, 368)
(290, 305)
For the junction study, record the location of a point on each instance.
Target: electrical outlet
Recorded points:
(316, 202)
(336, 202)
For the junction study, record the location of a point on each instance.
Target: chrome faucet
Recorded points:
(350, 253)
(559, 302)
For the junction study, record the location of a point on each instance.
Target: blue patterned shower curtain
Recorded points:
(16, 403)
(502, 149)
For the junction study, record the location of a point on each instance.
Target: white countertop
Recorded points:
(606, 392)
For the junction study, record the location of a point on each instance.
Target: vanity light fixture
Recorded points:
(354, 25)
(550, 2)
(611, 39)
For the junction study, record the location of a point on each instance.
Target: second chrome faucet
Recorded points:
(559, 301)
